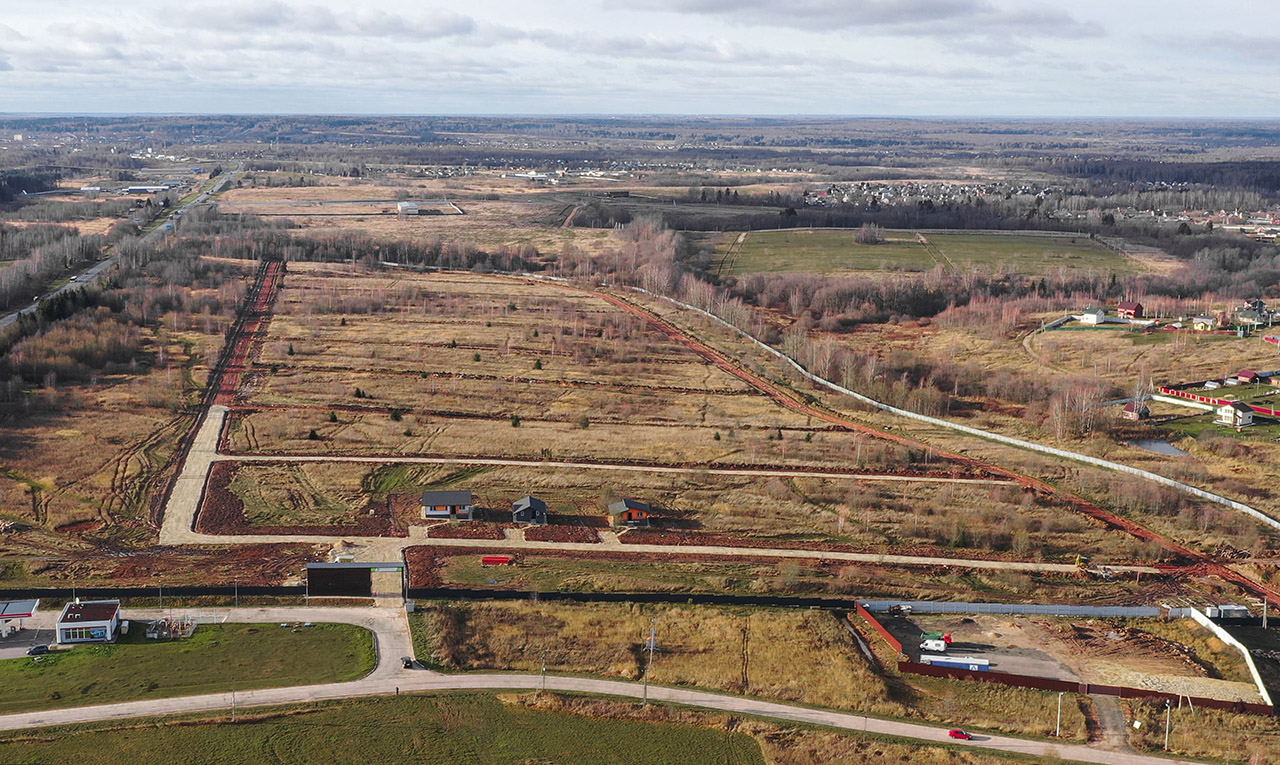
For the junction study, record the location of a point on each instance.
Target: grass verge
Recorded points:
(250, 655)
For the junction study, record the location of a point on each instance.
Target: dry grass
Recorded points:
(1207, 733)
(798, 656)
(794, 656)
(522, 214)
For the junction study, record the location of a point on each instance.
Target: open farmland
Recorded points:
(819, 251)
(483, 366)
(436, 728)
(802, 656)
(267, 497)
(499, 213)
(828, 251)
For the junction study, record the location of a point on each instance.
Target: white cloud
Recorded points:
(1024, 57)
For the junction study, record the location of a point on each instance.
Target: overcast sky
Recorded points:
(848, 57)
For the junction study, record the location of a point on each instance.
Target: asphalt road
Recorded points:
(97, 269)
(389, 677)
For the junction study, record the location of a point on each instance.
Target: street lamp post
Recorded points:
(1058, 732)
(653, 625)
(544, 671)
(1168, 710)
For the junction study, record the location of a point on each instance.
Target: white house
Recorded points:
(1235, 414)
(1093, 316)
(94, 621)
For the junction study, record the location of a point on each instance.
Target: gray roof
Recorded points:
(529, 503)
(617, 508)
(452, 498)
(18, 609)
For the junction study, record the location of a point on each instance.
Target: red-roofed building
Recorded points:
(1129, 309)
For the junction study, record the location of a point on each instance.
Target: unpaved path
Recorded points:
(188, 490)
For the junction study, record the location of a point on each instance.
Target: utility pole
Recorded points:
(653, 625)
(233, 697)
(1168, 710)
(236, 584)
(160, 588)
(1058, 732)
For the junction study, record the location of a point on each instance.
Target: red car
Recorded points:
(957, 733)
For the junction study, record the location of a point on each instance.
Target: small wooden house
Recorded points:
(453, 505)
(529, 510)
(1093, 316)
(1235, 415)
(1129, 309)
(629, 513)
(1136, 410)
(1204, 323)
(1248, 376)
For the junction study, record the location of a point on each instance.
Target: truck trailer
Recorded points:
(958, 662)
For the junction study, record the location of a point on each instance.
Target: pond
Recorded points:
(1156, 446)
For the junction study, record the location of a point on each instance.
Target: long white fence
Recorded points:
(1204, 621)
(1021, 444)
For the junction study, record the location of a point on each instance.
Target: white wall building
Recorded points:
(95, 621)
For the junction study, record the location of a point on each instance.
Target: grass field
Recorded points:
(548, 572)
(445, 729)
(797, 656)
(251, 656)
(820, 251)
(1030, 254)
(828, 251)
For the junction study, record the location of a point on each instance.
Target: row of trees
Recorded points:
(39, 254)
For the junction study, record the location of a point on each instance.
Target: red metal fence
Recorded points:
(1210, 400)
(1050, 684)
(878, 627)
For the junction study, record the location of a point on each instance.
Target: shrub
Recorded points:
(515, 421)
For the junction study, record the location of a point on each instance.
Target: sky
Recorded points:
(1033, 58)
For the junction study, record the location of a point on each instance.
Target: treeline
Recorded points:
(1262, 176)
(926, 215)
(39, 254)
(60, 211)
(76, 335)
(14, 182)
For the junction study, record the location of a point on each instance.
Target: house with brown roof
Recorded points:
(93, 621)
(1129, 309)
